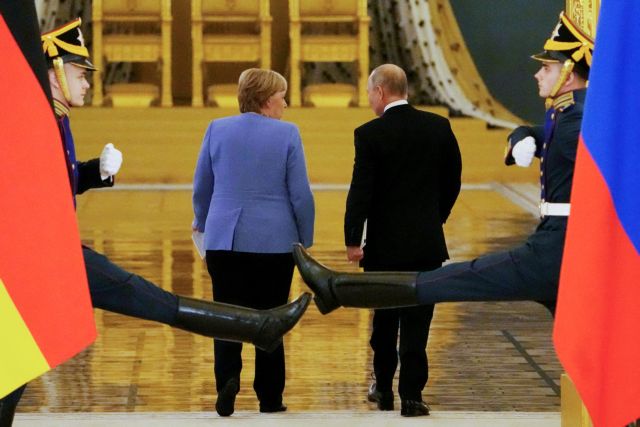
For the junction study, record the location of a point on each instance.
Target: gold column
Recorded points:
(196, 43)
(265, 40)
(584, 14)
(295, 96)
(363, 53)
(572, 411)
(166, 98)
(97, 99)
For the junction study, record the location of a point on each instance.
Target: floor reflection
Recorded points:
(142, 366)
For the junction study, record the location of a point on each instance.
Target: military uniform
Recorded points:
(530, 271)
(120, 291)
(111, 287)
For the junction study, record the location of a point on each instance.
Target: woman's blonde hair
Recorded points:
(255, 87)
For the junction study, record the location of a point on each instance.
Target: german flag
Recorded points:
(45, 308)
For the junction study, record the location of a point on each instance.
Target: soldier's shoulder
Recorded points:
(564, 102)
(570, 102)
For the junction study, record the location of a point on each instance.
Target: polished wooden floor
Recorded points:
(482, 356)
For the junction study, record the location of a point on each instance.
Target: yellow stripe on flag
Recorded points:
(20, 360)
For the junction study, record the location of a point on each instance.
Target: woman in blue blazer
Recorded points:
(252, 200)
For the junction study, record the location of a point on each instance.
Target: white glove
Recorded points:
(523, 151)
(110, 161)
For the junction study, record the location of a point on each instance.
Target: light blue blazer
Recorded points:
(250, 190)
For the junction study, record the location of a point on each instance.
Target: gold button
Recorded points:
(541, 159)
(541, 173)
(73, 166)
(544, 146)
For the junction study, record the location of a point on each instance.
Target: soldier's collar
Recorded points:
(563, 101)
(60, 109)
(568, 99)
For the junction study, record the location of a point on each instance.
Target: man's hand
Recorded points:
(354, 253)
(523, 151)
(110, 161)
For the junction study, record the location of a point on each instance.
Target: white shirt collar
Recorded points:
(395, 103)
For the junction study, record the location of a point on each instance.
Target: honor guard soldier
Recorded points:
(527, 272)
(111, 287)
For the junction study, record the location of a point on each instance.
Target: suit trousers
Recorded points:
(259, 281)
(413, 324)
(529, 272)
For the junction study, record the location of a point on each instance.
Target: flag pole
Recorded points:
(573, 413)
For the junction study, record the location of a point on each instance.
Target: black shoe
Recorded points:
(414, 408)
(227, 397)
(273, 408)
(384, 399)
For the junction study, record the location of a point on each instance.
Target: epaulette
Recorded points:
(60, 109)
(563, 101)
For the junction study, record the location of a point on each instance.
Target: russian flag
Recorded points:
(597, 326)
(45, 308)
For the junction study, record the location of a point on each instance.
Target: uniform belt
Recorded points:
(554, 209)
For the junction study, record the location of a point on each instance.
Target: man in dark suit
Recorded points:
(406, 178)
(527, 272)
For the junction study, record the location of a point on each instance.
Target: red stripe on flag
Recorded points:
(40, 255)
(597, 319)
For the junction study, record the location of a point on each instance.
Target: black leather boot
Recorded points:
(7, 412)
(8, 405)
(364, 290)
(263, 328)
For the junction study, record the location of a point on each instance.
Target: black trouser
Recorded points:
(8, 406)
(413, 323)
(529, 272)
(114, 289)
(259, 281)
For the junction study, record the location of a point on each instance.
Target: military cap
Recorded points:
(567, 41)
(66, 42)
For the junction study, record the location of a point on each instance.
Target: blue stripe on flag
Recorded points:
(611, 125)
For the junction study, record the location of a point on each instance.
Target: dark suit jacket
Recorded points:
(406, 178)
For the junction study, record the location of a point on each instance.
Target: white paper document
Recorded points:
(198, 241)
(363, 242)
